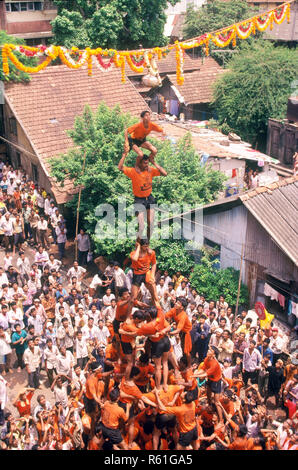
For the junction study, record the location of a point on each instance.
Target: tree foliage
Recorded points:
(216, 15)
(212, 282)
(100, 134)
(255, 88)
(117, 24)
(15, 75)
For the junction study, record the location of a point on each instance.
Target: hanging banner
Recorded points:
(137, 60)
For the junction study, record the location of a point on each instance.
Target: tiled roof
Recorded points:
(168, 64)
(275, 208)
(197, 87)
(46, 107)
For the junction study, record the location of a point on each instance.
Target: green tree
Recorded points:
(256, 87)
(117, 24)
(15, 75)
(216, 15)
(212, 282)
(100, 134)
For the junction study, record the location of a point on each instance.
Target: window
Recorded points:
(13, 126)
(34, 170)
(24, 6)
(15, 7)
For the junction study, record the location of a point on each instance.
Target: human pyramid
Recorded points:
(150, 366)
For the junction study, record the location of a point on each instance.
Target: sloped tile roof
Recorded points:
(197, 86)
(276, 209)
(46, 107)
(168, 64)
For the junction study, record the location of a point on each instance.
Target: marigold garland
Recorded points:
(221, 38)
(132, 65)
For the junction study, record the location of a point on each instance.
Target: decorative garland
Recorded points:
(137, 60)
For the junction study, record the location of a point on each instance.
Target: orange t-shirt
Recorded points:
(228, 407)
(165, 397)
(151, 328)
(111, 414)
(131, 328)
(242, 443)
(213, 369)
(182, 321)
(130, 390)
(143, 264)
(185, 414)
(139, 131)
(188, 376)
(121, 311)
(111, 353)
(143, 378)
(141, 182)
(91, 385)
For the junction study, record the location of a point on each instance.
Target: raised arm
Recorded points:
(160, 168)
(122, 160)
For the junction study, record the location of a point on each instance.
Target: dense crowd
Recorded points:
(136, 360)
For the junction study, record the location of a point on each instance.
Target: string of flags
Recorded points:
(137, 60)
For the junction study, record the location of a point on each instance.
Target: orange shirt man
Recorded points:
(142, 265)
(183, 324)
(139, 131)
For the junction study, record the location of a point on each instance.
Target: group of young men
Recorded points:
(138, 359)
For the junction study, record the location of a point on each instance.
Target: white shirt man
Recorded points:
(76, 271)
(65, 335)
(58, 318)
(6, 225)
(103, 334)
(83, 242)
(161, 289)
(41, 258)
(95, 314)
(110, 313)
(3, 393)
(165, 302)
(3, 278)
(191, 311)
(37, 322)
(5, 343)
(61, 394)
(81, 347)
(51, 356)
(182, 291)
(32, 358)
(81, 320)
(213, 325)
(47, 205)
(226, 347)
(40, 200)
(90, 331)
(23, 266)
(276, 344)
(96, 281)
(120, 277)
(42, 225)
(54, 264)
(65, 364)
(61, 234)
(15, 316)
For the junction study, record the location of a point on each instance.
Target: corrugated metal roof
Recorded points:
(276, 209)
